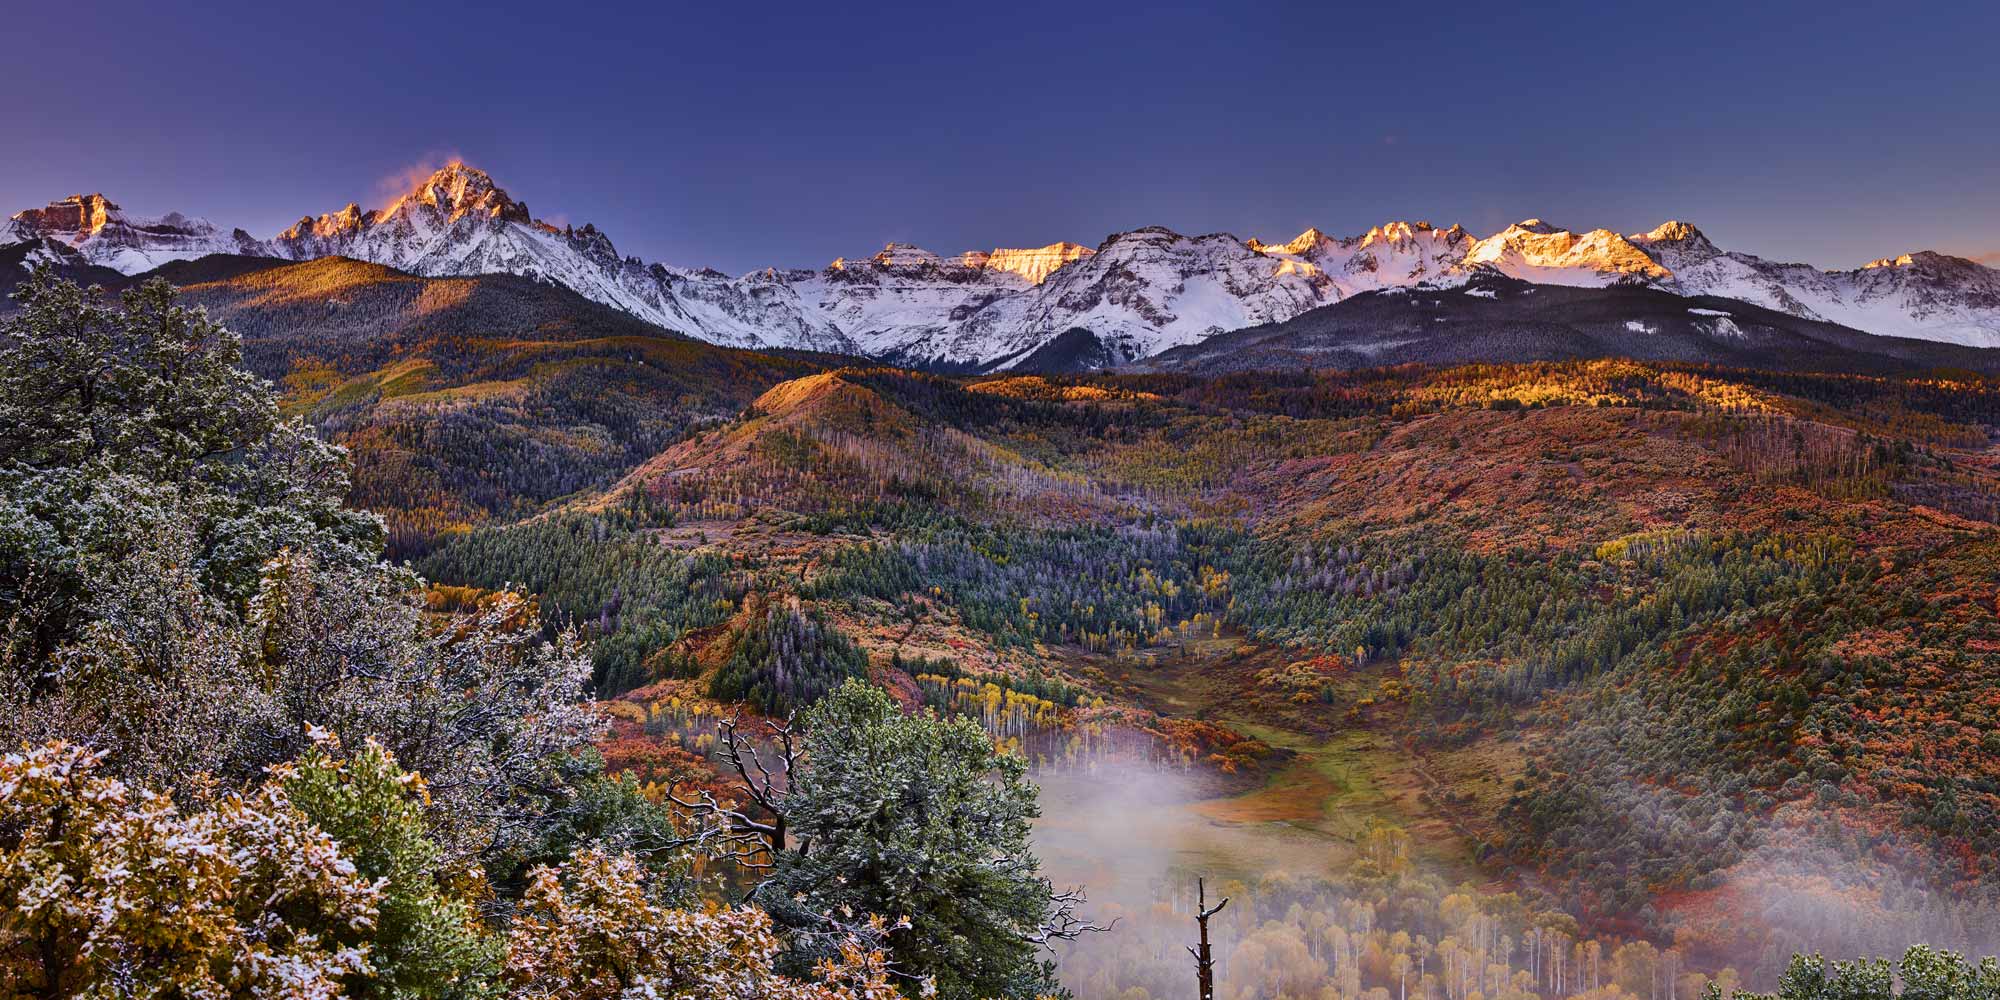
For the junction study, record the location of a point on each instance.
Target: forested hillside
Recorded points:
(466, 400)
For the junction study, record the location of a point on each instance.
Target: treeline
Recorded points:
(1934, 407)
(1101, 588)
(622, 586)
(1510, 625)
(1488, 630)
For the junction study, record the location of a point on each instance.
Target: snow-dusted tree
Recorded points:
(174, 684)
(110, 891)
(915, 818)
(181, 588)
(1924, 972)
(115, 419)
(489, 712)
(593, 930)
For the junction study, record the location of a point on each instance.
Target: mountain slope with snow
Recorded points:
(1496, 318)
(1140, 292)
(1137, 293)
(107, 236)
(1925, 295)
(19, 258)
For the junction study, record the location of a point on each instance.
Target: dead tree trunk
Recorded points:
(1204, 960)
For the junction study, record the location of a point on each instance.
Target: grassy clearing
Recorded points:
(1343, 775)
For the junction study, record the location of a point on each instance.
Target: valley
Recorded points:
(1276, 577)
(1337, 777)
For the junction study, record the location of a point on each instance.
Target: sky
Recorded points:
(742, 135)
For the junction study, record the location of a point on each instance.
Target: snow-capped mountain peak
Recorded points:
(1389, 255)
(905, 256)
(72, 219)
(458, 190)
(1677, 246)
(1676, 232)
(1901, 260)
(1031, 265)
(1298, 246)
(1929, 260)
(434, 207)
(1314, 242)
(1406, 233)
(1925, 295)
(327, 226)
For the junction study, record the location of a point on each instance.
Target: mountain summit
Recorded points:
(457, 190)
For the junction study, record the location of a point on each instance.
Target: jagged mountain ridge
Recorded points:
(1138, 293)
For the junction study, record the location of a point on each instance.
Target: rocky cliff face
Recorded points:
(1033, 265)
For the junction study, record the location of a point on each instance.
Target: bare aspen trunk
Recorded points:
(1204, 960)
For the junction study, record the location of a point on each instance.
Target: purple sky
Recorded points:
(741, 135)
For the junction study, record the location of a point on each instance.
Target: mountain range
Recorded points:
(1137, 293)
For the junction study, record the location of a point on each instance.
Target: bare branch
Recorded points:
(1064, 923)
